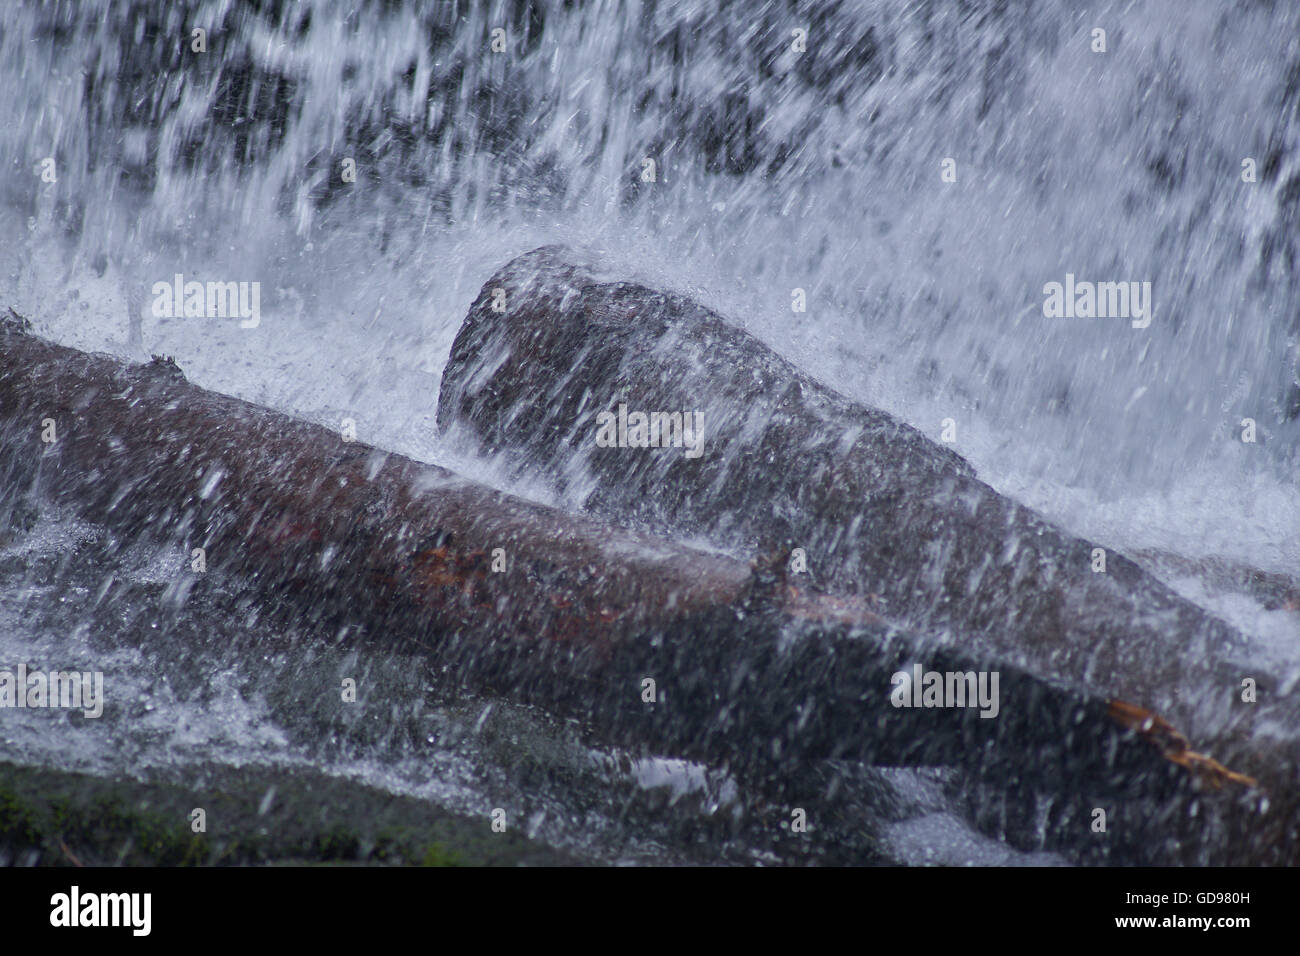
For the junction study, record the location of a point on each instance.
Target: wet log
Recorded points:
(554, 358)
(752, 672)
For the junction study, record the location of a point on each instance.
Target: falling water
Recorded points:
(371, 164)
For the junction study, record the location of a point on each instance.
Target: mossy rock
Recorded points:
(254, 816)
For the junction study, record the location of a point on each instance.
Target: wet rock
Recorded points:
(551, 349)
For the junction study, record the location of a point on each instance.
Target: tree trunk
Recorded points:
(750, 672)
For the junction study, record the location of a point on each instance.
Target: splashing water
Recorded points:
(773, 170)
(370, 165)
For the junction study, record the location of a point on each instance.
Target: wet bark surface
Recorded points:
(758, 674)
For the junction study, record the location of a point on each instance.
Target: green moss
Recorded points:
(16, 823)
(437, 855)
(338, 843)
(72, 818)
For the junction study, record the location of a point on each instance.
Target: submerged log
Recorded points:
(751, 672)
(553, 359)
